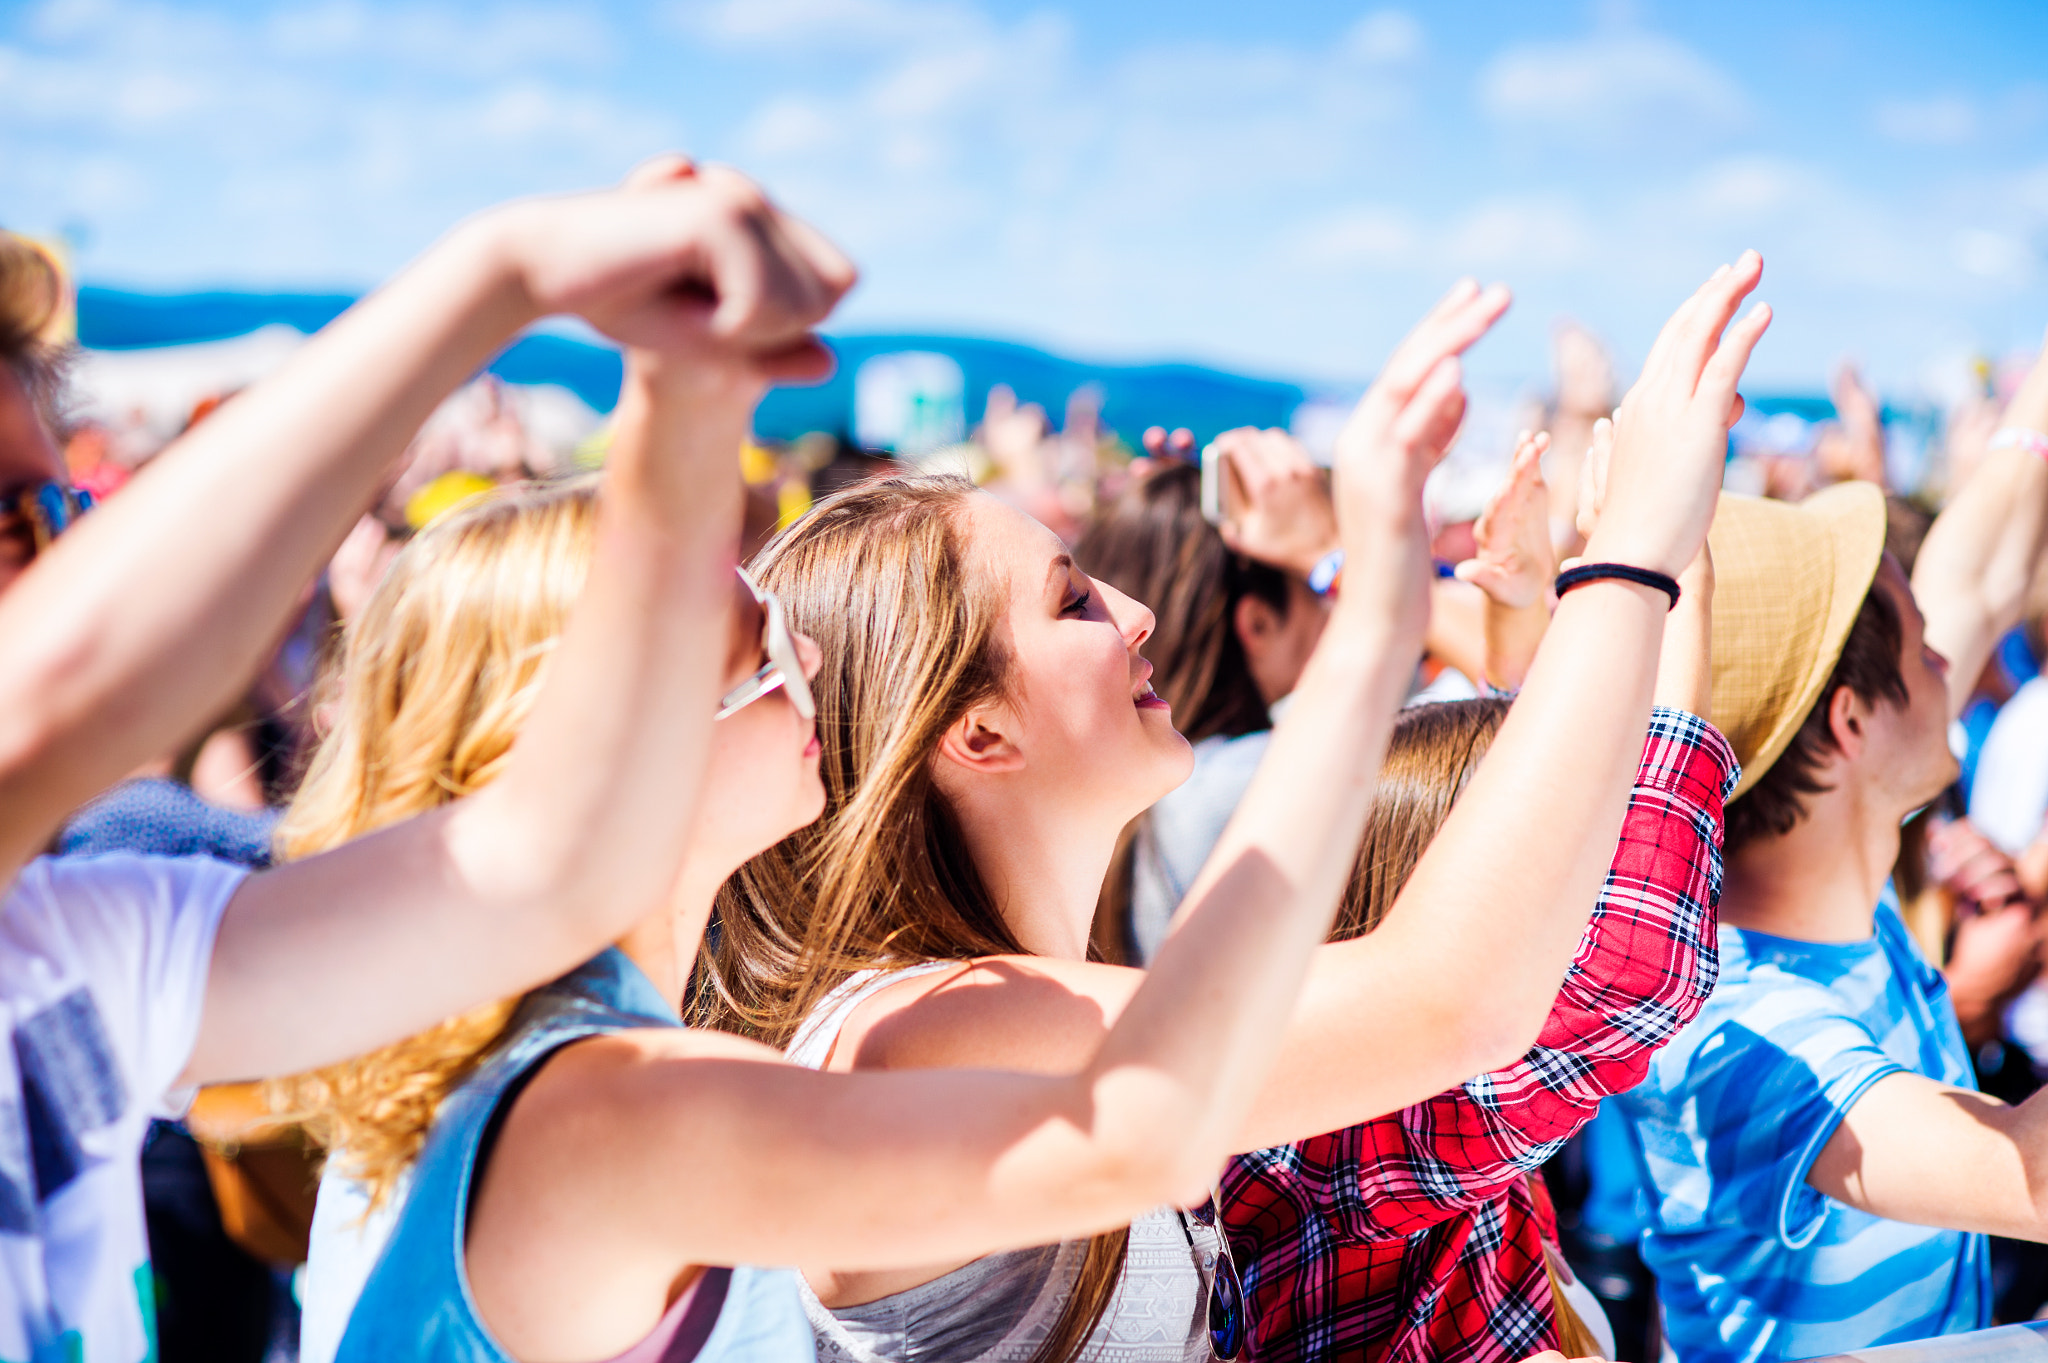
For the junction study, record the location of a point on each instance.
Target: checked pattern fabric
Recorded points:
(1417, 1237)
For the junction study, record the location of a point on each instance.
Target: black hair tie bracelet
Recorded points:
(1594, 572)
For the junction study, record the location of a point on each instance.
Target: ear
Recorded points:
(1849, 722)
(976, 742)
(1256, 623)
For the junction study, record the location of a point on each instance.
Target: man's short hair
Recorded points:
(1869, 667)
(31, 293)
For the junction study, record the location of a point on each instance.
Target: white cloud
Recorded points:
(1617, 88)
(1938, 121)
(1538, 232)
(801, 25)
(1366, 235)
(1388, 36)
(1991, 255)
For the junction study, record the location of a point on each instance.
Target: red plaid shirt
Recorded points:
(1416, 1238)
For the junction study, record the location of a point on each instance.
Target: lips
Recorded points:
(1148, 699)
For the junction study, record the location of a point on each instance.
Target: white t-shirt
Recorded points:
(347, 1240)
(103, 965)
(2009, 797)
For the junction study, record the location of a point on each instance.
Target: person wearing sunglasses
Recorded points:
(127, 979)
(572, 1173)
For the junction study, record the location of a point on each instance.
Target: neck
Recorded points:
(664, 944)
(1044, 869)
(1821, 881)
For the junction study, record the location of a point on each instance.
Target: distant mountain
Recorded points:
(1133, 396)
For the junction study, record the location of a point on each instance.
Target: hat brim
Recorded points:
(1789, 581)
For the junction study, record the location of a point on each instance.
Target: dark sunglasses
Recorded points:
(42, 510)
(784, 670)
(1226, 1288)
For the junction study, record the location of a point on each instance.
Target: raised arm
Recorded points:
(132, 629)
(1504, 891)
(584, 833)
(887, 1170)
(1972, 574)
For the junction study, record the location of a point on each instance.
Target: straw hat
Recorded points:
(1788, 581)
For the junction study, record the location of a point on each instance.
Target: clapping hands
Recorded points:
(1513, 565)
(1276, 506)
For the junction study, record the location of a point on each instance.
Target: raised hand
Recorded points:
(1853, 448)
(687, 260)
(1513, 565)
(1671, 432)
(1277, 509)
(1393, 438)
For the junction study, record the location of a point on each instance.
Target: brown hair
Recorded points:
(912, 637)
(31, 296)
(1154, 545)
(1431, 756)
(435, 680)
(1869, 666)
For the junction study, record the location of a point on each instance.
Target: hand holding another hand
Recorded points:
(693, 262)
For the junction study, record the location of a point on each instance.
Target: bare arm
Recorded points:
(1002, 1160)
(1915, 1150)
(1980, 554)
(584, 833)
(148, 617)
(1504, 893)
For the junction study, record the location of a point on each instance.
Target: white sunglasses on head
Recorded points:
(783, 670)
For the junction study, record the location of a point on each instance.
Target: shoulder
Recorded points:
(1030, 1013)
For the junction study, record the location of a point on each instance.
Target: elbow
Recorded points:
(1493, 1039)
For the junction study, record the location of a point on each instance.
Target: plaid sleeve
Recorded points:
(1645, 966)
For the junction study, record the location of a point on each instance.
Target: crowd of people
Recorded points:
(741, 904)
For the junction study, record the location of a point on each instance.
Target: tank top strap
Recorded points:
(813, 1043)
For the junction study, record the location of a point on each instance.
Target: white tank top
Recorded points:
(1002, 1307)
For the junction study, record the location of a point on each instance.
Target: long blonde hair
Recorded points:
(435, 680)
(912, 638)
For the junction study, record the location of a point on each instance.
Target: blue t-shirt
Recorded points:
(1752, 1264)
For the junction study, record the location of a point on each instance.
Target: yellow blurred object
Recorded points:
(757, 466)
(591, 453)
(792, 499)
(443, 495)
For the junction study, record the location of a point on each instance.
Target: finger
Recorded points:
(1701, 331)
(1154, 439)
(664, 169)
(738, 280)
(808, 361)
(1724, 370)
(1431, 418)
(1464, 315)
(1662, 349)
(832, 269)
(1182, 442)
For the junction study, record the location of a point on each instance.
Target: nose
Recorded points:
(808, 653)
(1939, 660)
(1133, 619)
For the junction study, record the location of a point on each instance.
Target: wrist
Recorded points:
(490, 245)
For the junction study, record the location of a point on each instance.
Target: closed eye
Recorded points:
(1078, 605)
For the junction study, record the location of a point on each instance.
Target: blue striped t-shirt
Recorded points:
(1752, 1264)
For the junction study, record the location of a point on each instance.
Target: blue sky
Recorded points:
(1277, 188)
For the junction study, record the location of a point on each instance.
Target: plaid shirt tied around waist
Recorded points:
(1416, 1237)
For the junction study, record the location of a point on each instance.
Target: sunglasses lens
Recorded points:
(1226, 1312)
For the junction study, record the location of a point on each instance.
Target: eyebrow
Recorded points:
(1061, 563)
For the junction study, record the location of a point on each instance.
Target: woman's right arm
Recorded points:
(719, 1161)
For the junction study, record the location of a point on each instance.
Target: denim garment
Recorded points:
(417, 1304)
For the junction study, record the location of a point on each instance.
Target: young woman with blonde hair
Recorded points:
(565, 1166)
(977, 777)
